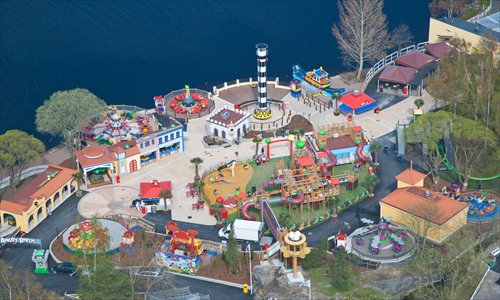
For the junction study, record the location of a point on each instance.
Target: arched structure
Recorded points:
(277, 141)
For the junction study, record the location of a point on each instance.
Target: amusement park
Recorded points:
(268, 188)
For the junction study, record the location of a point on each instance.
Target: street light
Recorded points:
(336, 96)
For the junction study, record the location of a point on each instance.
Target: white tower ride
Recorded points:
(262, 111)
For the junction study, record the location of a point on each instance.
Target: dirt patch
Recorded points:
(220, 270)
(429, 183)
(296, 122)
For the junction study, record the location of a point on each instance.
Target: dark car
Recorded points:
(65, 267)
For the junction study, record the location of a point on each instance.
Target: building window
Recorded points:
(178, 134)
(160, 140)
(147, 144)
(152, 142)
(166, 138)
(142, 145)
(171, 136)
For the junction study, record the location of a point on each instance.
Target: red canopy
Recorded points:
(414, 59)
(356, 100)
(438, 49)
(151, 190)
(397, 74)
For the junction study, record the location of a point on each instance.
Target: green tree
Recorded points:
(370, 183)
(419, 102)
(342, 272)
(17, 149)
(428, 132)
(375, 148)
(284, 217)
(166, 194)
(196, 161)
(257, 140)
(317, 257)
(232, 255)
(63, 114)
(104, 282)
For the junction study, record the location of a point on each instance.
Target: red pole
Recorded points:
(269, 151)
(291, 150)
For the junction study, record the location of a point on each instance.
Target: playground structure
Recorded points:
(40, 258)
(294, 246)
(181, 251)
(482, 206)
(315, 82)
(381, 242)
(116, 126)
(187, 102)
(339, 144)
(182, 242)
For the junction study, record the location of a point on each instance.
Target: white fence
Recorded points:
(389, 60)
(26, 173)
(486, 11)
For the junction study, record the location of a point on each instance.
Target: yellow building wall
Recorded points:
(416, 224)
(402, 184)
(453, 224)
(437, 28)
(22, 221)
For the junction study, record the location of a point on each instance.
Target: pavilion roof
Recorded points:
(397, 74)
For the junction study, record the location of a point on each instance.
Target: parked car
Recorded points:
(65, 267)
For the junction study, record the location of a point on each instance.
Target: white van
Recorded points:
(243, 230)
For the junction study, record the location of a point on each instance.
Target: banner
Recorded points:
(20, 241)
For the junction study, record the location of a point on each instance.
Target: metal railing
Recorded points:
(482, 14)
(25, 174)
(389, 59)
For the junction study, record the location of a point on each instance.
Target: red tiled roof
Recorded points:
(438, 49)
(305, 161)
(322, 154)
(121, 147)
(93, 156)
(397, 74)
(234, 117)
(355, 101)
(436, 208)
(410, 176)
(414, 59)
(38, 188)
(151, 190)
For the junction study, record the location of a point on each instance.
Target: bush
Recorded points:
(317, 257)
(214, 263)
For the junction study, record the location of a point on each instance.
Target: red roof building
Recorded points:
(357, 102)
(438, 49)
(397, 74)
(152, 190)
(414, 59)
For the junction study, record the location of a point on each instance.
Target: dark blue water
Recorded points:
(129, 51)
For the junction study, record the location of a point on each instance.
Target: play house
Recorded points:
(418, 208)
(151, 196)
(340, 144)
(356, 102)
(228, 123)
(410, 177)
(97, 164)
(31, 204)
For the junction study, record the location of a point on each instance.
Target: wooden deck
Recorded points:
(243, 94)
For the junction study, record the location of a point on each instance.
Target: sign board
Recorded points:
(20, 241)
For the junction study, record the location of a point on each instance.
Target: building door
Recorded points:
(133, 166)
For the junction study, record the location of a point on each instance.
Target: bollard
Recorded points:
(245, 288)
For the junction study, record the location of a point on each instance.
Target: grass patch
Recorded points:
(366, 293)
(265, 172)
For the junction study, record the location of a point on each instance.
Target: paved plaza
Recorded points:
(178, 169)
(109, 200)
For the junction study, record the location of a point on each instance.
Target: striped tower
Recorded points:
(262, 111)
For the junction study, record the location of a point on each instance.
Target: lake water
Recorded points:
(129, 51)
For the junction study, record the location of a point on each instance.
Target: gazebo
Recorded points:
(437, 50)
(415, 59)
(397, 75)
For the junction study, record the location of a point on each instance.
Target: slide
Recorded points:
(298, 199)
(244, 211)
(324, 170)
(333, 159)
(263, 186)
(225, 165)
(359, 152)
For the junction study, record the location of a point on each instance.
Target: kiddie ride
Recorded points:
(187, 102)
(181, 250)
(315, 81)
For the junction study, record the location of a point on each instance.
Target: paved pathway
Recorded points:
(109, 200)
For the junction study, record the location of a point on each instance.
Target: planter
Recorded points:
(336, 113)
(371, 195)
(334, 217)
(79, 193)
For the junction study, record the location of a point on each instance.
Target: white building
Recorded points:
(228, 123)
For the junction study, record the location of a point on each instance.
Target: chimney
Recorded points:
(155, 182)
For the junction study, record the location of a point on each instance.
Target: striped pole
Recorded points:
(262, 111)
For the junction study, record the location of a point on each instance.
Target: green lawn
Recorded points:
(264, 172)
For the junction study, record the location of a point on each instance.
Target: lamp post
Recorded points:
(336, 96)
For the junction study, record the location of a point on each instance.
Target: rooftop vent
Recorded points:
(427, 194)
(356, 93)
(225, 115)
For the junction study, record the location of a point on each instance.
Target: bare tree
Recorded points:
(362, 31)
(450, 8)
(421, 220)
(400, 37)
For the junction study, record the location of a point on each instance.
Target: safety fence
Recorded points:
(389, 59)
(274, 81)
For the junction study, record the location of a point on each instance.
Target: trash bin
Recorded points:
(153, 209)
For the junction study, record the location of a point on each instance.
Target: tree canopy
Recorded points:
(232, 255)
(17, 148)
(362, 31)
(62, 115)
(104, 282)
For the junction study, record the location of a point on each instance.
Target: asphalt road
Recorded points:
(19, 257)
